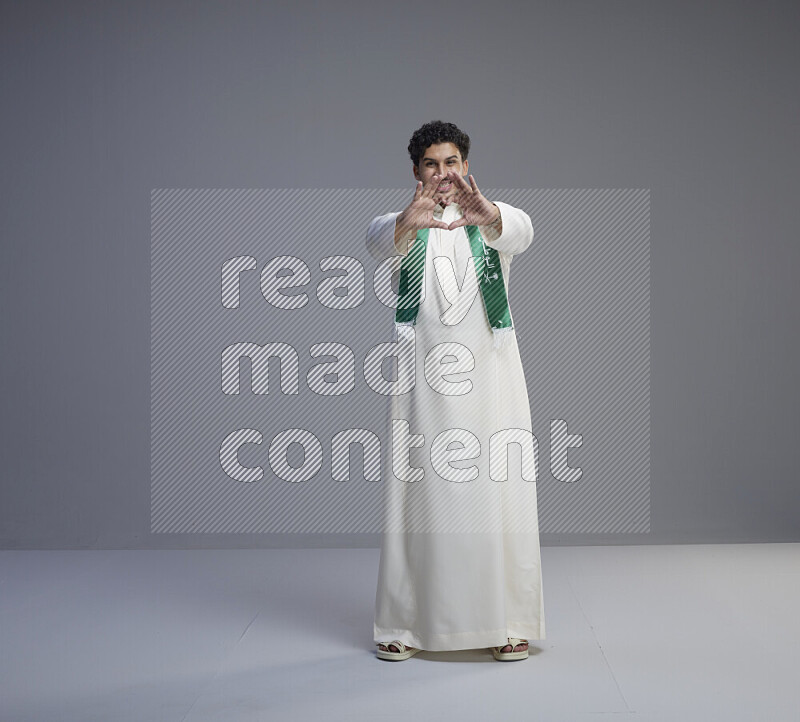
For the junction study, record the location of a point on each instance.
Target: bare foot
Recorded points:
(393, 648)
(521, 647)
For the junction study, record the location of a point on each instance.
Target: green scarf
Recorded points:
(487, 269)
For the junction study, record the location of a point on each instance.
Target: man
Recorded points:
(463, 570)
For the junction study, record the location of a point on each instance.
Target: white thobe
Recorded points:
(464, 570)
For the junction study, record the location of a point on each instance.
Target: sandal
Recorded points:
(403, 653)
(512, 655)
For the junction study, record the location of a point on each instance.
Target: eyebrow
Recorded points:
(433, 159)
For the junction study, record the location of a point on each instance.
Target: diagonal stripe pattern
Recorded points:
(233, 446)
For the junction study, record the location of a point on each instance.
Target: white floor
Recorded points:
(685, 633)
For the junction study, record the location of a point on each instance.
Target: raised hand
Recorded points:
(476, 209)
(419, 213)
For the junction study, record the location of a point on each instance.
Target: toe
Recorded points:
(391, 647)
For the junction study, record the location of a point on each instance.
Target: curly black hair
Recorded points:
(437, 132)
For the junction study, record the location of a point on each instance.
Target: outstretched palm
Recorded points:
(419, 213)
(476, 209)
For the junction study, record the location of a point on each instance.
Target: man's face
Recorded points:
(441, 158)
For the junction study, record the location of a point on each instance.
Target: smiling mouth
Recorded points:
(445, 186)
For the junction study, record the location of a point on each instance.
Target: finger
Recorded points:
(460, 182)
(461, 198)
(431, 185)
(457, 189)
(473, 183)
(418, 190)
(458, 223)
(439, 224)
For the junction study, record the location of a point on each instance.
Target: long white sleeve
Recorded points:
(517, 232)
(380, 237)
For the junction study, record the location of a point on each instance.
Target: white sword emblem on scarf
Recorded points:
(487, 263)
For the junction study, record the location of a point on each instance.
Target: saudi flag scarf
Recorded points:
(490, 278)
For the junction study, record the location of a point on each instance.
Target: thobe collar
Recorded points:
(448, 213)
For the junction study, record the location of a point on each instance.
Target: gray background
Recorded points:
(105, 101)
